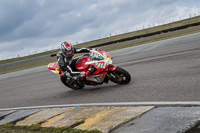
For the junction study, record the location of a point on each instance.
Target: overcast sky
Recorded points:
(27, 26)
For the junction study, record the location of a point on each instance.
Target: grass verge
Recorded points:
(114, 46)
(10, 128)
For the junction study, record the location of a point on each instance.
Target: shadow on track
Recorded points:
(91, 90)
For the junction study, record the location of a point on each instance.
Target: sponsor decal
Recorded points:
(54, 65)
(108, 60)
(101, 57)
(101, 65)
(81, 67)
(96, 78)
(51, 65)
(56, 72)
(105, 54)
(104, 66)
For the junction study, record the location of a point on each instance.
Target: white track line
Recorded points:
(172, 104)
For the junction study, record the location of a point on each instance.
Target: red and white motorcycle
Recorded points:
(101, 70)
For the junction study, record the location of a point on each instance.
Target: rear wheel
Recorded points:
(120, 76)
(73, 85)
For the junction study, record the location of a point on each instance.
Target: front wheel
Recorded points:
(120, 76)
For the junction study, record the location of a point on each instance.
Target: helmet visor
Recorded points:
(68, 52)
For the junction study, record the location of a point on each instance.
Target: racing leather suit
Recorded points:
(67, 65)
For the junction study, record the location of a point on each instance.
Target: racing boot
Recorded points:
(80, 78)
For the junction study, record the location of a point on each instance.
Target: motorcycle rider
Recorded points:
(66, 62)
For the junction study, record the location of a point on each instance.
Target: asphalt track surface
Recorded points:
(162, 71)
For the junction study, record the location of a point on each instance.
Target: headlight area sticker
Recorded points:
(108, 60)
(101, 65)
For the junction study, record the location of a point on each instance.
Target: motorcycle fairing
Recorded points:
(112, 67)
(99, 64)
(96, 78)
(80, 63)
(54, 67)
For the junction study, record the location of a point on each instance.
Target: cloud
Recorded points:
(35, 25)
(32, 18)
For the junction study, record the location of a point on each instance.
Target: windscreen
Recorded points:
(94, 55)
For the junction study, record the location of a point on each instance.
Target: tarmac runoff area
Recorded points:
(115, 119)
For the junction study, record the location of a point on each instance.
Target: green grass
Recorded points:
(111, 47)
(11, 128)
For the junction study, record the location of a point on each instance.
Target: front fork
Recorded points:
(111, 71)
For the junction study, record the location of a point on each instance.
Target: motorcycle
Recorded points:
(99, 63)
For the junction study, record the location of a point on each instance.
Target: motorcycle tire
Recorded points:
(121, 76)
(72, 86)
